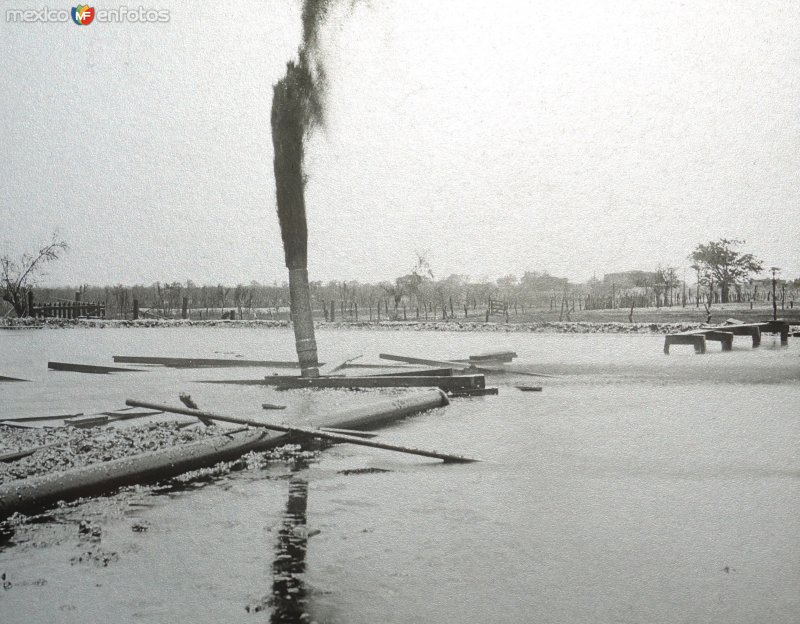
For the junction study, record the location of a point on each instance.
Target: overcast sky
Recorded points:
(579, 138)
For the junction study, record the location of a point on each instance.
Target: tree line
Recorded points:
(719, 274)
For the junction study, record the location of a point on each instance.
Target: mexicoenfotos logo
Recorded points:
(82, 14)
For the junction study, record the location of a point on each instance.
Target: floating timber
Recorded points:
(173, 362)
(724, 335)
(422, 361)
(37, 493)
(91, 369)
(450, 383)
(26, 419)
(11, 379)
(493, 356)
(425, 372)
(463, 365)
(473, 392)
(529, 388)
(323, 434)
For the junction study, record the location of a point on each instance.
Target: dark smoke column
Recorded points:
(296, 108)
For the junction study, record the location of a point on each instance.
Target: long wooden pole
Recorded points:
(33, 494)
(306, 431)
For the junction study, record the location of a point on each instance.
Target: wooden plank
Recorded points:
(422, 361)
(305, 431)
(493, 356)
(448, 384)
(174, 362)
(25, 419)
(468, 368)
(11, 379)
(377, 366)
(426, 372)
(473, 392)
(235, 382)
(352, 432)
(89, 368)
(84, 422)
(20, 454)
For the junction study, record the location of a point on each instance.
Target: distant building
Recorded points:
(630, 279)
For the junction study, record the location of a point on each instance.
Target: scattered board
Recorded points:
(89, 368)
(174, 362)
(529, 388)
(446, 383)
(306, 431)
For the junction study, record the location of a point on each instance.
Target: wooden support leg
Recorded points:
(700, 345)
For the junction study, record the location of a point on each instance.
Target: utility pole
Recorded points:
(774, 300)
(684, 287)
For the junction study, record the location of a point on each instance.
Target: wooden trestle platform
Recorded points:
(724, 335)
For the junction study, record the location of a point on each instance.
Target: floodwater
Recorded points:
(636, 487)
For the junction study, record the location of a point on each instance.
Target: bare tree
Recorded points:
(18, 276)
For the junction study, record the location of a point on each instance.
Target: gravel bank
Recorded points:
(577, 327)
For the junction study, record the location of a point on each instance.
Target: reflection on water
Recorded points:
(288, 596)
(288, 592)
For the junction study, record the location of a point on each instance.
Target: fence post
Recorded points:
(185, 308)
(135, 309)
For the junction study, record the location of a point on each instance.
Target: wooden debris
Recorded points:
(446, 383)
(79, 420)
(344, 364)
(465, 366)
(84, 422)
(25, 425)
(34, 494)
(89, 368)
(26, 419)
(11, 379)
(473, 392)
(421, 361)
(305, 431)
(352, 432)
(493, 356)
(529, 388)
(187, 400)
(173, 362)
(427, 372)
(377, 366)
(15, 455)
(235, 382)
(272, 406)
